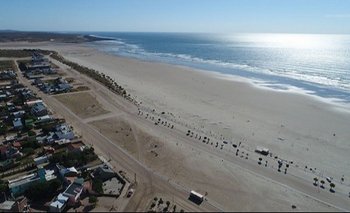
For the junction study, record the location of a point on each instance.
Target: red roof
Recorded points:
(17, 144)
(75, 145)
(3, 149)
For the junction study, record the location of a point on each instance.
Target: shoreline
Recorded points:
(206, 119)
(335, 103)
(237, 111)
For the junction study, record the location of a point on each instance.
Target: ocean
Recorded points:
(314, 64)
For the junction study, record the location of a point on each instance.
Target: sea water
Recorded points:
(318, 64)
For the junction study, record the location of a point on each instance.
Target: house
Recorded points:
(104, 173)
(38, 82)
(31, 103)
(20, 185)
(74, 191)
(3, 96)
(38, 67)
(7, 75)
(4, 165)
(44, 118)
(76, 147)
(19, 205)
(68, 175)
(17, 145)
(27, 94)
(3, 150)
(41, 160)
(59, 203)
(17, 123)
(13, 152)
(7, 206)
(63, 131)
(49, 149)
(39, 109)
(18, 114)
(10, 138)
(10, 107)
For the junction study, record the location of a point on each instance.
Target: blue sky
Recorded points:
(214, 16)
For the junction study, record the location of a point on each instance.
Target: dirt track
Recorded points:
(164, 169)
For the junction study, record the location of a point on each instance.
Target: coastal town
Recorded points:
(45, 164)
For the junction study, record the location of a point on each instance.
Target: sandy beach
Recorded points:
(296, 128)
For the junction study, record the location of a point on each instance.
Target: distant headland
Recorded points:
(12, 36)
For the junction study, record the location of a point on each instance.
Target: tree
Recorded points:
(93, 199)
(316, 180)
(97, 185)
(28, 151)
(332, 185)
(3, 186)
(322, 183)
(31, 133)
(40, 191)
(3, 129)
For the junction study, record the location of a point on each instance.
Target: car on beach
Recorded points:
(329, 179)
(130, 193)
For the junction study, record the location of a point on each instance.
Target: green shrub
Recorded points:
(93, 199)
(31, 133)
(97, 185)
(28, 151)
(40, 191)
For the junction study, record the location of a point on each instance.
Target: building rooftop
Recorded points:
(23, 180)
(7, 205)
(64, 171)
(17, 144)
(75, 146)
(38, 107)
(60, 201)
(75, 188)
(17, 122)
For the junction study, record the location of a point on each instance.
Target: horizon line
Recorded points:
(184, 32)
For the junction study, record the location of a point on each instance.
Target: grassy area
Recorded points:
(21, 53)
(80, 88)
(94, 74)
(82, 104)
(4, 65)
(46, 36)
(26, 61)
(74, 159)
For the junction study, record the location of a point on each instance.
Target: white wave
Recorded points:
(306, 75)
